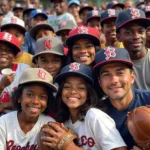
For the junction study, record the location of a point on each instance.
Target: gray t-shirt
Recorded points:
(142, 71)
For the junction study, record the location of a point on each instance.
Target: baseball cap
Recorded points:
(77, 2)
(66, 25)
(111, 55)
(38, 26)
(54, 1)
(39, 75)
(138, 2)
(83, 32)
(114, 4)
(36, 12)
(11, 40)
(13, 21)
(131, 15)
(18, 6)
(49, 45)
(146, 9)
(75, 69)
(85, 6)
(93, 14)
(28, 9)
(108, 14)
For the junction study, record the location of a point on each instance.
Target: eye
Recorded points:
(30, 95)
(56, 60)
(67, 86)
(76, 48)
(89, 46)
(82, 88)
(43, 97)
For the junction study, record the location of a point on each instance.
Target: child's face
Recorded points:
(16, 32)
(33, 100)
(50, 62)
(18, 13)
(74, 9)
(74, 93)
(37, 19)
(43, 33)
(64, 35)
(83, 51)
(6, 56)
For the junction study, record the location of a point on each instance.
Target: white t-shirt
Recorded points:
(97, 131)
(12, 137)
(54, 20)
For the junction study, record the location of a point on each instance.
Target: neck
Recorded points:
(110, 42)
(73, 115)
(138, 55)
(121, 104)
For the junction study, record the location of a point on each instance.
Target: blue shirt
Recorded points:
(140, 98)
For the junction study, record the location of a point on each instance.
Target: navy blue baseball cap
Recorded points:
(146, 9)
(36, 12)
(131, 15)
(138, 3)
(28, 9)
(85, 7)
(114, 4)
(93, 14)
(75, 69)
(111, 55)
(109, 14)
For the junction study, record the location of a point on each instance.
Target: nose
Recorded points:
(114, 79)
(73, 91)
(136, 35)
(35, 100)
(83, 50)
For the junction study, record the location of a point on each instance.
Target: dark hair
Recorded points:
(16, 95)
(92, 101)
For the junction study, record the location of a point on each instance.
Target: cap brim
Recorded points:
(3, 27)
(51, 86)
(119, 4)
(44, 15)
(15, 49)
(46, 52)
(27, 10)
(105, 19)
(98, 66)
(143, 21)
(85, 7)
(37, 27)
(92, 17)
(17, 8)
(73, 3)
(70, 41)
(58, 32)
(62, 76)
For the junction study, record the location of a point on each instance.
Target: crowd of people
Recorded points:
(82, 66)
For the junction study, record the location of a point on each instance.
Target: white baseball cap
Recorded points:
(13, 21)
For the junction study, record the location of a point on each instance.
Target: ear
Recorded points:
(119, 37)
(133, 76)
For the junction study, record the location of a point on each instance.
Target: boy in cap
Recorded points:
(9, 48)
(36, 16)
(114, 71)
(41, 30)
(74, 7)
(115, 5)
(18, 11)
(64, 28)
(16, 27)
(49, 55)
(61, 9)
(131, 30)
(108, 19)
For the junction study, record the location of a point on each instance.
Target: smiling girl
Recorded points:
(79, 109)
(32, 101)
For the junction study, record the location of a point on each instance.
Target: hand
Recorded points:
(7, 80)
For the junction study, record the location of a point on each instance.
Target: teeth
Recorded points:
(73, 98)
(3, 59)
(83, 58)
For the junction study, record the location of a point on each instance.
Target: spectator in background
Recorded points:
(61, 9)
(74, 7)
(18, 11)
(4, 5)
(129, 4)
(36, 16)
(147, 2)
(84, 11)
(115, 5)
(12, 4)
(1, 16)
(139, 4)
(26, 16)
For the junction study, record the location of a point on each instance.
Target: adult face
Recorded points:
(18, 13)
(116, 79)
(60, 7)
(133, 36)
(4, 5)
(83, 51)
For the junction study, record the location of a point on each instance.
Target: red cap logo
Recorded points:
(135, 13)
(109, 52)
(111, 12)
(13, 20)
(47, 44)
(82, 30)
(41, 74)
(7, 37)
(74, 66)
(147, 8)
(94, 13)
(63, 24)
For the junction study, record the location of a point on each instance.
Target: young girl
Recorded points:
(32, 101)
(82, 42)
(78, 109)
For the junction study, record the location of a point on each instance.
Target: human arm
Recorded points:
(56, 135)
(136, 148)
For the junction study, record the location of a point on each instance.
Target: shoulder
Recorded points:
(45, 119)
(141, 92)
(9, 117)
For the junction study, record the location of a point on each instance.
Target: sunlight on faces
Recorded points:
(50, 62)
(74, 93)
(116, 80)
(83, 51)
